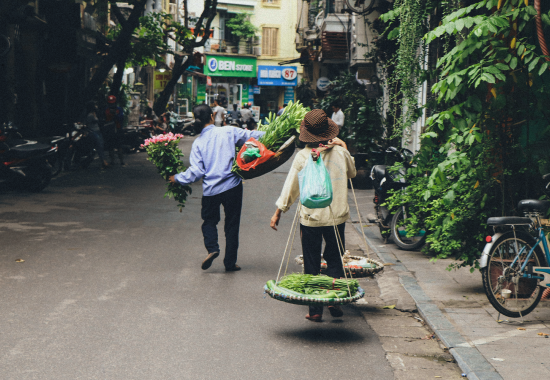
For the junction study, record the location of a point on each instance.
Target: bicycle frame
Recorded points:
(544, 270)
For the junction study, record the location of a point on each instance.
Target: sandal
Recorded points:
(315, 317)
(336, 311)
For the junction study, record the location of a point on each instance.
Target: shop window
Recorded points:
(269, 41)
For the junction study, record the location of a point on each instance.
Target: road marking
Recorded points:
(505, 335)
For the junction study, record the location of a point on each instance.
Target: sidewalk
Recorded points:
(454, 304)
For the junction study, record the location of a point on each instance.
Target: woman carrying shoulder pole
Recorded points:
(321, 223)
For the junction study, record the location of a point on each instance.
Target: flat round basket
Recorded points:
(304, 299)
(281, 156)
(357, 266)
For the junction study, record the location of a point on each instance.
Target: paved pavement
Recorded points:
(454, 305)
(100, 279)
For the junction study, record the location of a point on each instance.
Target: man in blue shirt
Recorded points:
(211, 158)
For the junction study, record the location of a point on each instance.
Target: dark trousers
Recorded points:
(232, 201)
(312, 241)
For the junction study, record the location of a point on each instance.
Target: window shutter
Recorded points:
(269, 41)
(274, 39)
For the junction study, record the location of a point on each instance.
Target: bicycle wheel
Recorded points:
(499, 275)
(400, 235)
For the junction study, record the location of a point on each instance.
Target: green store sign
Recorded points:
(220, 66)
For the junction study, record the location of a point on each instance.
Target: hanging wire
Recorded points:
(367, 247)
(287, 243)
(340, 247)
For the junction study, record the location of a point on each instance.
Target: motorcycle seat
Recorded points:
(533, 205)
(379, 172)
(29, 150)
(508, 220)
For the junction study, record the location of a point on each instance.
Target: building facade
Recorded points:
(233, 67)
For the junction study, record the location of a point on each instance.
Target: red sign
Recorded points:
(208, 81)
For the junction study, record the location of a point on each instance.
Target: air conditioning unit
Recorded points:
(257, 50)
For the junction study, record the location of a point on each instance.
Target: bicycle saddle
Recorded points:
(530, 205)
(508, 220)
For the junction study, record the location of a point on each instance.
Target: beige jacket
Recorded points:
(341, 166)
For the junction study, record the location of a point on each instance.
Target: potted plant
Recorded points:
(242, 29)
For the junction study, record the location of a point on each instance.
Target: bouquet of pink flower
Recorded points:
(163, 151)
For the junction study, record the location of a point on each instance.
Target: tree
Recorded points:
(485, 145)
(189, 42)
(119, 49)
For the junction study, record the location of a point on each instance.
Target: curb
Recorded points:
(468, 358)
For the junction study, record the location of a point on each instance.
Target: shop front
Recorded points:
(276, 87)
(228, 80)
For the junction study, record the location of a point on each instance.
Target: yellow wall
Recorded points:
(283, 16)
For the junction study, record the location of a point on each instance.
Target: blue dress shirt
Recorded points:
(212, 157)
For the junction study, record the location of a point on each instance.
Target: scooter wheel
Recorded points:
(40, 177)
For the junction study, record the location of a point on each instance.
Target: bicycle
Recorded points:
(514, 267)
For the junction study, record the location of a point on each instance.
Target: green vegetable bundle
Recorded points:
(319, 285)
(281, 128)
(278, 129)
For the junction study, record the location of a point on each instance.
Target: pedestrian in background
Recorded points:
(211, 159)
(318, 224)
(92, 122)
(280, 112)
(114, 119)
(219, 114)
(248, 118)
(337, 115)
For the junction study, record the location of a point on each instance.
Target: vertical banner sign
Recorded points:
(161, 79)
(289, 95)
(209, 81)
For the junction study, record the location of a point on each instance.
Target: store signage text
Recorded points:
(323, 83)
(214, 65)
(161, 79)
(277, 76)
(230, 67)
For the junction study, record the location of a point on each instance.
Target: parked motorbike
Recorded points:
(81, 150)
(385, 180)
(59, 145)
(24, 163)
(135, 136)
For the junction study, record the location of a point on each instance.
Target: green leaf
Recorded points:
(533, 63)
(488, 77)
(450, 28)
(492, 70)
(543, 68)
(502, 66)
(449, 197)
(427, 195)
(531, 11)
(514, 63)
(459, 24)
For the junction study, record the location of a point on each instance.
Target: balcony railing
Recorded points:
(221, 46)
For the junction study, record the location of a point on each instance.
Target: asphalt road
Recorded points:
(111, 288)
